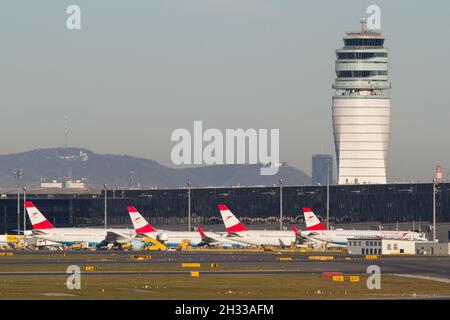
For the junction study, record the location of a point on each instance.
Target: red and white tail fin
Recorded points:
(139, 223)
(38, 221)
(202, 234)
(297, 234)
(312, 222)
(232, 224)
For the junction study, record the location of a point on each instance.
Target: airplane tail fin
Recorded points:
(139, 223)
(202, 234)
(38, 221)
(312, 222)
(232, 224)
(297, 234)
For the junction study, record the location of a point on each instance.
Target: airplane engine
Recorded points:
(162, 237)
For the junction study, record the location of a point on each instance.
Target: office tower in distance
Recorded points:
(321, 163)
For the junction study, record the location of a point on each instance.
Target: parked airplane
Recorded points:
(316, 231)
(43, 229)
(239, 233)
(140, 225)
(175, 238)
(168, 238)
(218, 239)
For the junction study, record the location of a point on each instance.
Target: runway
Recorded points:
(231, 263)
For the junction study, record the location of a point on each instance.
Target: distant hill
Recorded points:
(114, 170)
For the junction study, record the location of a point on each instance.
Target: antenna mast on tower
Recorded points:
(363, 23)
(66, 130)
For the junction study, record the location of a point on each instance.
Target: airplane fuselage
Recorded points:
(340, 237)
(69, 236)
(263, 238)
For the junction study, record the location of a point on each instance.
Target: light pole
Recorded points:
(188, 185)
(106, 206)
(24, 209)
(328, 193)
(18, 173)
(434, 209)
(281, 203)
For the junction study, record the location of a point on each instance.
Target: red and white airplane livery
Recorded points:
(239, 233)
(44, 229)
(175, 238)
(141, 226)
(316, 231)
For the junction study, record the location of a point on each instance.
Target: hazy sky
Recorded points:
(140, 69)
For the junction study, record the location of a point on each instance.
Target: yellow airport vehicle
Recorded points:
(321, 258)
(19, 246)
(372, 257)
(305, 249)
(141, 257)
(338, 278)
(214, 265)
(152, 244)
(284, 259)
(6, 254)
(195, 274)
(12, 239)
(185, 244)
(190, 265)
(90, 268)
(126, 246)
(269, 248)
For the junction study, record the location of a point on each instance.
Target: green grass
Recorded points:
(213, 287)
(149, 266)
(182, 286)
(122, 262)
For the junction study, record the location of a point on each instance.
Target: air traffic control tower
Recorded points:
(361, 108)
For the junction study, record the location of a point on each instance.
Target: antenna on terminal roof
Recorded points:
(363, 22)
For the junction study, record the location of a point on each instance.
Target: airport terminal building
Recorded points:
(389, 203)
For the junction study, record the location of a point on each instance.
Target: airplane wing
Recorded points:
(233, 235)
(114, 237)
(206, 240)
(219, 239)
(313, 238)
(238, 239)
(304, 239)
(141, 236)
(38, 232)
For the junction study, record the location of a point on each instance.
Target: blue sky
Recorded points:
(140, 69)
